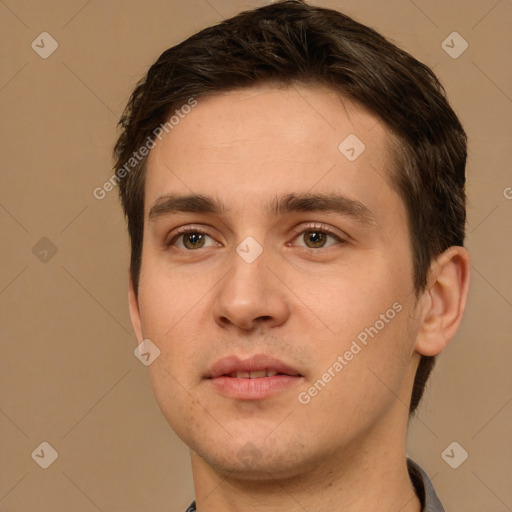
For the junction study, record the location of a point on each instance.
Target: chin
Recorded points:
(257, 459)
(265, 469)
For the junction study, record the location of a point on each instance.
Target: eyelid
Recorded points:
(189, 228)
(339, 235)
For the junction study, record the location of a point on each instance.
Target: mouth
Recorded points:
(255, 378)
(256, 374)
(255, 367)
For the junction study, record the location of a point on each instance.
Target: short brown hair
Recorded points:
(290, 42)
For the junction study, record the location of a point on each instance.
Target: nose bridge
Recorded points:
(248, 280)
(250, 262)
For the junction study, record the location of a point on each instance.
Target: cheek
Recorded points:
(364, 318)
(168, 321)
(368, 378)
(174, 398)
(346, 299)
(166, 300)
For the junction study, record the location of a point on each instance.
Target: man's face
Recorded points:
(329, 286)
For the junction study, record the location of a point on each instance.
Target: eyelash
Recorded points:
(322, 228)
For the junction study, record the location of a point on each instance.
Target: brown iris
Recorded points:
(196, 240)
(317, 238)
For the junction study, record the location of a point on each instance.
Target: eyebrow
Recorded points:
(281, 205)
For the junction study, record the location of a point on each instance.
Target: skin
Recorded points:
(345, 449)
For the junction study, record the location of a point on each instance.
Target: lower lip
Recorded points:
(253, 389)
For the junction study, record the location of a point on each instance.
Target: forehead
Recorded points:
(249, 143)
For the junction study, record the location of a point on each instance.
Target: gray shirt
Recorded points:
(422, 484)
(424, 488)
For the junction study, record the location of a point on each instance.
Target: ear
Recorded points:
(443, 301)
(134, 311)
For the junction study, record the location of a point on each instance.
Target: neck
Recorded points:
(370, 475)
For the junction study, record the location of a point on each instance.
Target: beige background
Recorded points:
(69, 376)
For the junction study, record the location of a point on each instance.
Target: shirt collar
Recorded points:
(424, 488)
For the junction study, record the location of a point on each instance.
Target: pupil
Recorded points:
(194, 239)
(316, 238)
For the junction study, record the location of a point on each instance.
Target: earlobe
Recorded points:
(444, 300)
(133, 304)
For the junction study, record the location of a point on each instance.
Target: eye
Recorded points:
(191, 238)
(316, 236)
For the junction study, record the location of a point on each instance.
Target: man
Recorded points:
(294, 190)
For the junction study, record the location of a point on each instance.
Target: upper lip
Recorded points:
(231, 364)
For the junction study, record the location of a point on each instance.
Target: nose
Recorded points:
(250, 295)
